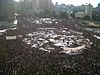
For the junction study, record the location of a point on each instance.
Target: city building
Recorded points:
(63, 8)
(98, 5)
(41, 5)
(79, 14)
(80, 11)
(6, 9)
(88, 10)
(3, 9)
(97, 8)
(37, 6)
(11, 9)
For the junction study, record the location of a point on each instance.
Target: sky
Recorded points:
(76, 2)
(17, 0)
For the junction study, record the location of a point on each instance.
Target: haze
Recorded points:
(76, 2)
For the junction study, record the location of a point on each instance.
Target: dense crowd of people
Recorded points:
(25, 60)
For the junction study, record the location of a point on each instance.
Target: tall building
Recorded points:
(88, 10)
(98, 8)
(6, 9)
(30, 6)
(35, 4)
(63, 8)
(98, 5)
(11, 9)
(40, 5)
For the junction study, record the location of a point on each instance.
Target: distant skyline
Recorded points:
(77, 2)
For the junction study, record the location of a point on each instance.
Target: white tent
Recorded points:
(11, 37)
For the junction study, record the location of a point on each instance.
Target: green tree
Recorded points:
(63, 15)
(72, 15)
(86, 17)
(96, 15)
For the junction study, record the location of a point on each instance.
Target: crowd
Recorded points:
(23, 59)
(48, 39)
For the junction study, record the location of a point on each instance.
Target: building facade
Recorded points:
(88, 10)
(79, 14)
(6, 9)
(31, 6)
(41, 5)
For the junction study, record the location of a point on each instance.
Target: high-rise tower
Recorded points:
(88, 10)
(42, 4)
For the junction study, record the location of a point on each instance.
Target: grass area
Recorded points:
(3, 51)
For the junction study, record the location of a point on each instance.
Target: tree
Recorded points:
(86, 17)
(96, 15)
(72, 15)
(63, 15)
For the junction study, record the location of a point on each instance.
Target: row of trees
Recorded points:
(52, 14)
(96, 15)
